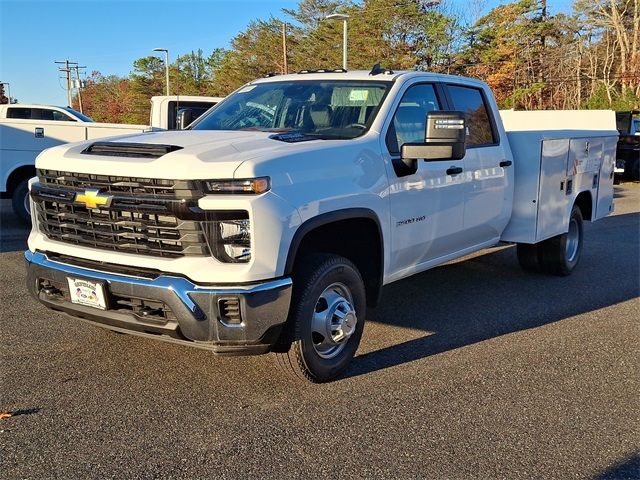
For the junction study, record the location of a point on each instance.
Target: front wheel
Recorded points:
(20, 201)
(327, 318)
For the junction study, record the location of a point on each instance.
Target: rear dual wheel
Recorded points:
(558, 255)
(326, 318)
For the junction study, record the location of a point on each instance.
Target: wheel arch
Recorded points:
(354, 233)
(584, 201)
(17, 175)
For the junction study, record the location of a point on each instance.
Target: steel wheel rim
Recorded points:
(573, 240)
(333, 321)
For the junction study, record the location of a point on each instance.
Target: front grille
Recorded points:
(117, 185)
(123, 231)
(145, 216)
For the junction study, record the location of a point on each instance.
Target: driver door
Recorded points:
(427, 205)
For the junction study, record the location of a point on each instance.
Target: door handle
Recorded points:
(454, 170)
(506, 163)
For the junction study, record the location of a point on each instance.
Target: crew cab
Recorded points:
(273, 222)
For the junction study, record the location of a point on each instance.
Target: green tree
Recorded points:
(254, 53)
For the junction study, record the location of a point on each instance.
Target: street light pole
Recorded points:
(344, 18)
(166, 64)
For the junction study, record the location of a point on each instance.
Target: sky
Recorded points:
(108, 35)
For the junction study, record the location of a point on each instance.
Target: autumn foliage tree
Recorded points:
(530, 57)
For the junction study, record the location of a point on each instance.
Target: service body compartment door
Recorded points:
(585, 156)
(605, 185)
(552, 198)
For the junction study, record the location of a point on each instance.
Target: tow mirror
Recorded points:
(445, 138)
(185, 117)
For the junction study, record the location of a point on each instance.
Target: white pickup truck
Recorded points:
(26, 130)
(273, 222)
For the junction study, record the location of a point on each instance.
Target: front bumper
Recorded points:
(193, 314)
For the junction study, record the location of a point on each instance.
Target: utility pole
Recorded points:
(543, 42)
(79, 86)
(285, 68)
(67, 70)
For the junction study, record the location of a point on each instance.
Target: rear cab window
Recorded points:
(481, 130)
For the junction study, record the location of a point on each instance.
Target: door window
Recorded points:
(62, 117)
(409, 121)
(38, 114)
(472, 102)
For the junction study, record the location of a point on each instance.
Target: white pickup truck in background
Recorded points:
(276, 218)
(26, 130)
(176, 112)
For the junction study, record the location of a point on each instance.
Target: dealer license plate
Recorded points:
(84, 292)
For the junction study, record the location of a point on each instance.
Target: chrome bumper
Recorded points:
(198, 320)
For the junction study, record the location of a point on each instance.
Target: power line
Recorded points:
(67, 70)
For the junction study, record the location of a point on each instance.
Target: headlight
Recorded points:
(229, 236)
(251, 186)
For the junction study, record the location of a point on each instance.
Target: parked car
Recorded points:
(628, 151)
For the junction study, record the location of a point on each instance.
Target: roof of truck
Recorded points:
(383, 76)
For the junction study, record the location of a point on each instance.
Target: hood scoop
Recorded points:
(123, 149)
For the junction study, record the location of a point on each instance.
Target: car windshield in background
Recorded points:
(82, 117)
(318, 109)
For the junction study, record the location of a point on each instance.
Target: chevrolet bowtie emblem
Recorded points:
(93, 198)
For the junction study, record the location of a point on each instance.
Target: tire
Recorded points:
(561, 254)
(529, 257)
(328, 291)
(20, 201)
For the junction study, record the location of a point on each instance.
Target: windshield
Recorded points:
(317, 109)
(79, 115)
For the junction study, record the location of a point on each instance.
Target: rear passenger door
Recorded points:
(488, 172)
(427, 203)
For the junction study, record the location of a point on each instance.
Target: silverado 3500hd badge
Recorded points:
(409, 221)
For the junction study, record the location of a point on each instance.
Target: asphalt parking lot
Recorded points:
(471, 370)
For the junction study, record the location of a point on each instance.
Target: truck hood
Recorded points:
(202, 154)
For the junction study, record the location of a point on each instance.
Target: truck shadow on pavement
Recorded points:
(488, 296)
(627, 469)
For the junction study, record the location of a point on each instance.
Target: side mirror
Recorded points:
(444, 139)
(185, 117)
